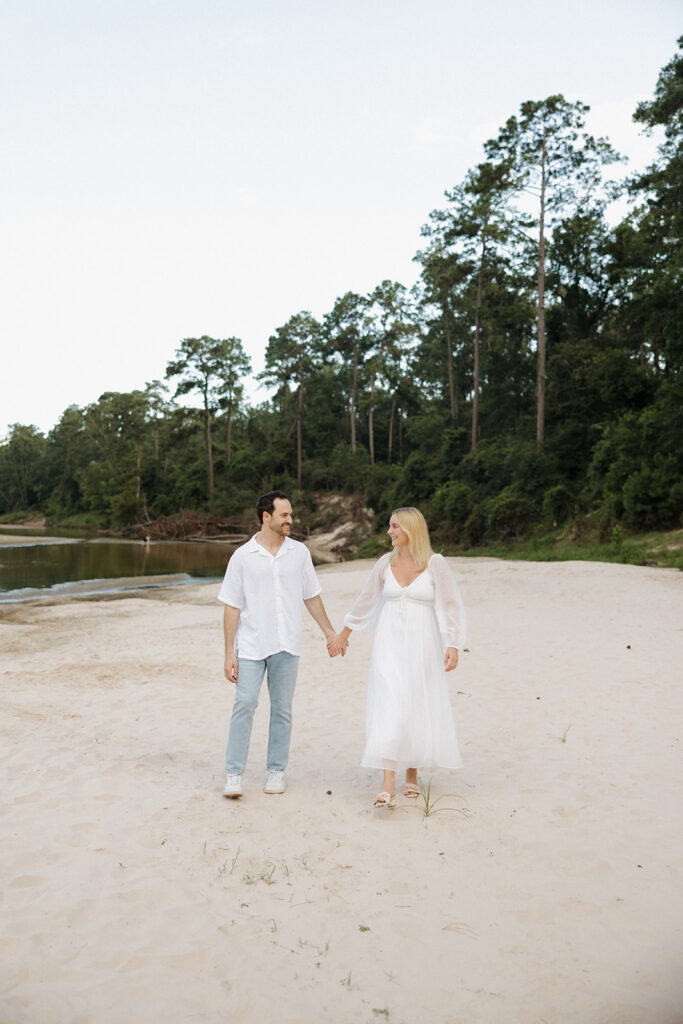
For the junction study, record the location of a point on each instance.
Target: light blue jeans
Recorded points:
(282, 669)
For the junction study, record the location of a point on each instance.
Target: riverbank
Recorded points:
(545, 887)
(17, 540)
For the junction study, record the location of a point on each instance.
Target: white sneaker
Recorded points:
(275, 783)
(233, 785)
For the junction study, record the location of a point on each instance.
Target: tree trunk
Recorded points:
(209, 450)
(655, 355)
(371, 425)
(400, 436)
(299, 432)
(352, 399)
(449, 357)
(475, 401)
(540, 409)
(391, 429)
(229, 438)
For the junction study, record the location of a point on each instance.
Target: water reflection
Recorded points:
(47, 565)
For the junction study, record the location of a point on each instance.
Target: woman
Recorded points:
(409, 598)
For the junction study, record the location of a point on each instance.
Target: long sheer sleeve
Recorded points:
(368, 604)
(450, 610)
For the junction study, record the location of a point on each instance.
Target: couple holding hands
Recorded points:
(412, 602)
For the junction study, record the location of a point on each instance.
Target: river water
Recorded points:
(91, 565)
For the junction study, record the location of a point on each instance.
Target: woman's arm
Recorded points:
(367, 605)
(449, 607)
(343, 637)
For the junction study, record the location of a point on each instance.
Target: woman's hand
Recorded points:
(451, 658)
(336, 645)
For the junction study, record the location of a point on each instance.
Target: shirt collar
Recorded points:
(257, 549)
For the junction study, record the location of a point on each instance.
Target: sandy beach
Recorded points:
(544, 888)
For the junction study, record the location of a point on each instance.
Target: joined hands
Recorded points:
(336, 645)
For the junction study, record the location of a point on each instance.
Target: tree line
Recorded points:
(531, 376)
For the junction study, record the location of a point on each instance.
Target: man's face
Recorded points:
(281, 520)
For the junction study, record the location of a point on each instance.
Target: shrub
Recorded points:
(509, 513)
(650, 495)
(474, 529)
(558, 504)
(450, 507)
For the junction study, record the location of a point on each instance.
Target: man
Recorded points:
(266, 581)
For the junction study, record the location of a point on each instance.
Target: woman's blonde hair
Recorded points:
(413, 522)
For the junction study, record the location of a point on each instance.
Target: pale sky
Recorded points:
(173, 168)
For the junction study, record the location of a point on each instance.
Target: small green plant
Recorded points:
(222, 868)
(249, 879)
(234, 860)
(363, 928)
(320, 950)
(429, 803)
(346, 982)
(563, 737)
(267, 876)
(381, 1013)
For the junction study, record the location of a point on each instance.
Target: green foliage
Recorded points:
(638, 463)
(451, 504)
(509, 513)
(474, 529)
(558, 504)
(653, 495)
(22, 473)
(373, 547)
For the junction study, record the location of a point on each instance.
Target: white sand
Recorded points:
(133, 892)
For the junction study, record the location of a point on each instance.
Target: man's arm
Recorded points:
(231, 617)
(316, 609)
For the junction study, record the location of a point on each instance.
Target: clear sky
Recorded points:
(172, 168)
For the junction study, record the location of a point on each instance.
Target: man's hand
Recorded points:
(230, 668)
(336, 645)
(451, 658)
(231, 617)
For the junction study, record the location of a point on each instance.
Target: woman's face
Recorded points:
(399, 537)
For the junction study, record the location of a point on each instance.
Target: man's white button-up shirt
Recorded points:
(269, 591)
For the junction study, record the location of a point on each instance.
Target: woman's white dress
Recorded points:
(409, 723)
